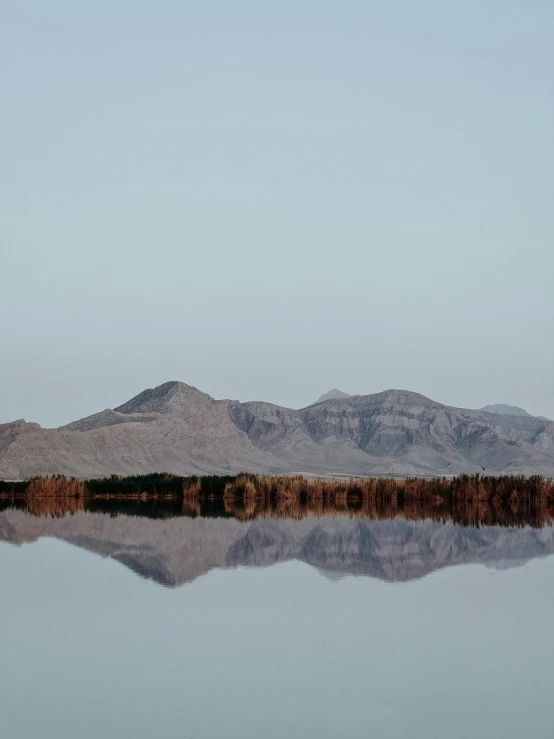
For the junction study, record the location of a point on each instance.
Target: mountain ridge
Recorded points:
(177, 428)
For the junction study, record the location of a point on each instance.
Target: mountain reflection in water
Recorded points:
(172, 544)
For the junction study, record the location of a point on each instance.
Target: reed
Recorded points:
(192, 487)
(460, 511)
(513, 489)
(57, 486)
(467, 499)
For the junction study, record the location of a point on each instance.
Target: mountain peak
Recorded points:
(161, 399)
(332, 395)
(501, 409)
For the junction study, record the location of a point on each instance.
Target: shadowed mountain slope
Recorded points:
(178, 550)
(176, 428)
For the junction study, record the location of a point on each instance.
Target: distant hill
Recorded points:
(332, 395)
(501, 409)
(177, 428)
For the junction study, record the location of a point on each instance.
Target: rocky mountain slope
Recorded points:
(176, 428)
(178, 550)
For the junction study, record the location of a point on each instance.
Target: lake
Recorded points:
(200, 627)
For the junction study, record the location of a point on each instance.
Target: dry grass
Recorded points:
(465, 487)
(192, 487)
(468, 499)
(513, 490)
(55, 487)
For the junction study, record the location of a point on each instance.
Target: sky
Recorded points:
(267, 200)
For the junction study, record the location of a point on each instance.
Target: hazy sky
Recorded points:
(267, 200)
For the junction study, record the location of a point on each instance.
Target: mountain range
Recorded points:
(500, 409)
(177, 428)
(178, 550)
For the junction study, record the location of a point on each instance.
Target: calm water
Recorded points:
(199, 628)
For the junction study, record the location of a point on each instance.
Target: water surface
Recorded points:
(324, 627)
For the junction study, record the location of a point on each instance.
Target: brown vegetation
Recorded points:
(192, 487)
(55, 487)
(464, 488)
(468, 500)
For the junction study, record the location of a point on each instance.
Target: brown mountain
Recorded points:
(176, 428)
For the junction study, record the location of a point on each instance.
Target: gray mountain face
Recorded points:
(178, 550)
(331, 395)
(176, 428)
(506, 410)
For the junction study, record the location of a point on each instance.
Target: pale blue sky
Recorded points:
(266, 200)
